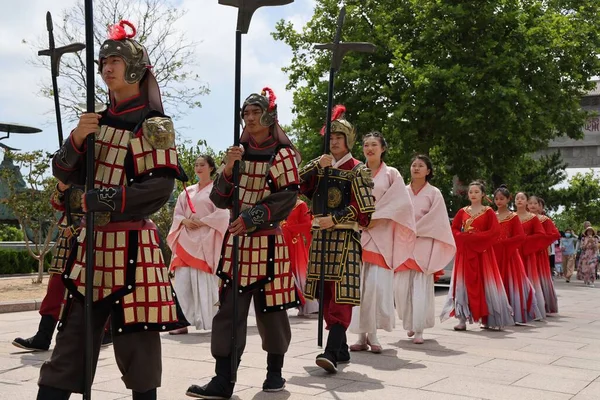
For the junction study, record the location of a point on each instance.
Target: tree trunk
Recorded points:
(40, 276)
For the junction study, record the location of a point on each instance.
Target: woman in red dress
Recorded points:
(535, 239)
(536, 206)
(519, 289)
(476, 290)
(296, 231)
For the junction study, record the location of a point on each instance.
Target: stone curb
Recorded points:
(18, 306)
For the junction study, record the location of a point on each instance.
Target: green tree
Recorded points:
(31, 206)
(581, 201)
(478, 85)
(171, 52)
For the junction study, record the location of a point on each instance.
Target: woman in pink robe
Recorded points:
(434, 249)
(195, 239)
(387, 242)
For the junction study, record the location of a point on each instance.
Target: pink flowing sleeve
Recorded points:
(435, 246)
(178, 217)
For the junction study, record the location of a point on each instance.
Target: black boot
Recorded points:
(43, 337)
(149, 395)
(220, 387)
(50, 393)
(274, 381)
(328, 360)
(344, 354)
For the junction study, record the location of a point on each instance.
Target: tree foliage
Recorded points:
(10, 233)
(170, 51)
(32, 205)
(581, 200)
(478, 85)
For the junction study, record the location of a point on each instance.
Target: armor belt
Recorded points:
(346, 225)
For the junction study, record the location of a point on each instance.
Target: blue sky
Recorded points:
(205, 21)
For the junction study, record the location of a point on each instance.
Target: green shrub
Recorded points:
(10, 233)
(20, 262)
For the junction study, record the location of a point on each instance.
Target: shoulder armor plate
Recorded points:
(159, 132)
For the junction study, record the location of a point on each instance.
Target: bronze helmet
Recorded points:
(122, 45)
(267, 104)
(339, 124)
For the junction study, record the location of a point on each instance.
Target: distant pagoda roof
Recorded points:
(6, 216)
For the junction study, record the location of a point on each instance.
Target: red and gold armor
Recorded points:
(268, 191)
(129, 269)
(350, 203)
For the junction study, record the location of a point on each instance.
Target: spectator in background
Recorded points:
(586, 270)
(567, 247)
(558, 259)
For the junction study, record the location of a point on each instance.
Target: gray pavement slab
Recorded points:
(555, 359)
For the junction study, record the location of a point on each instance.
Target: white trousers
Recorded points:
(415, 300)
(376, 310)
(198, 294)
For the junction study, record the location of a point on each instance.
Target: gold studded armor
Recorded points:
(350, 203)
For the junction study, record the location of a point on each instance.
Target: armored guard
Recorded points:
(136, 164)
(268, 192)
(336, 226)
(68, 228)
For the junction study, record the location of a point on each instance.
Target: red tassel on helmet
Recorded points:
(118, 32)
(337, 113)
(272, 97)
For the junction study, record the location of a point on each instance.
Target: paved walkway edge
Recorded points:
(18, 306)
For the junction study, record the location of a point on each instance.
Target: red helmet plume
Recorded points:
(272, 97)
(118, 32)
(337, 113)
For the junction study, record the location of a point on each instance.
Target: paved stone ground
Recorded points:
(554, 360)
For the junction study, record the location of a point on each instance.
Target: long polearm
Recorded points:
(89, 216)
(246, 9)
(55, 54)
(338, 49)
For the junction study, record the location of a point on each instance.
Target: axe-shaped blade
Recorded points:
(5, 147)
(58, 52)
(246, 9)
(55, 54)
(340, 50)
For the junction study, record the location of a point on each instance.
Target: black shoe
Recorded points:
(335, 340)
(213, 390)
(220, 387)
(43, 337)
(50, 393)
(32, 344)
(149, 395)
(274, 381)
(327, 362)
